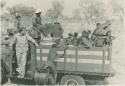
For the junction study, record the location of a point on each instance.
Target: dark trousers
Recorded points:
(33, 56)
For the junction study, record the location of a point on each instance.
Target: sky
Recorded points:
(44, 5)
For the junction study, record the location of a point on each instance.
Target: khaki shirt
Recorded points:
(22, 42)
(36, 21)
(85, 42)
(102, 30)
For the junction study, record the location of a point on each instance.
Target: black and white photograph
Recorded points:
(62, 42)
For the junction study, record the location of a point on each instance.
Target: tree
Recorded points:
(56, 11)
(76, 14)
(2, 4)
(6, 17)
(25, 11)
(92, 10)
(21, 9)
(118, 8)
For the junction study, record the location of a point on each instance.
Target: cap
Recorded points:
(9, 30)
(38, 11)
(97, 24)
(21, 29)
(108, 22)
(70, 34)
(18, 15)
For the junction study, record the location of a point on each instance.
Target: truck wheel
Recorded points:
(72, 80)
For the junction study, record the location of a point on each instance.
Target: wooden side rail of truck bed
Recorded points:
(78, 59)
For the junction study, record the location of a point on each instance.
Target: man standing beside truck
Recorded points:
(21, 40)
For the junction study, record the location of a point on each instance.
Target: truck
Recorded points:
(73, 65)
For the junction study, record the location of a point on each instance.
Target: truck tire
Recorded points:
(72, 80)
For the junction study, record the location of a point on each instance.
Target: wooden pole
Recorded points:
(10, 62)
(65, 60)
(103, 60)
(41, 60)
(76, 56)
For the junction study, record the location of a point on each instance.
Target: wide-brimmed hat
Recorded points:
(38, 11)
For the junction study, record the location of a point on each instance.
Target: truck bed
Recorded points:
(93, 61)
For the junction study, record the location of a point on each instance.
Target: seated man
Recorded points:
(57, 30)
(109, 39)
(69, 39)
(83, 40)
(100, 31)
(95, 31)
(75, 39)
(88, 33)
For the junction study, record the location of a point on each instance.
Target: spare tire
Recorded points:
(72, 80)
(43, 79)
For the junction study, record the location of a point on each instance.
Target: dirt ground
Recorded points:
(118, 63)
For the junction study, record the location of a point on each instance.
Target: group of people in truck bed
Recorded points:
(99, 38)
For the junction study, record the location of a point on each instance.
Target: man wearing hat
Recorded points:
(69, 39)
(57, 30)
(36, 25)
(84, 41)
(35, 34)
(100, 31)
(18, 21)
